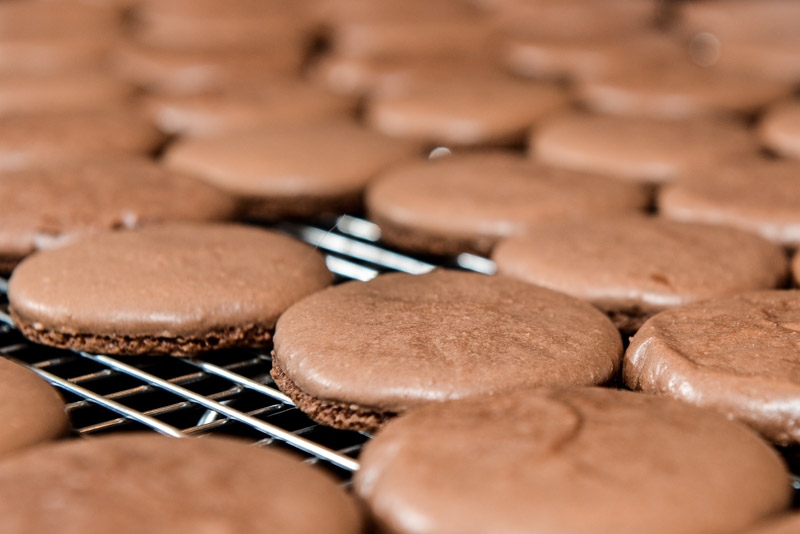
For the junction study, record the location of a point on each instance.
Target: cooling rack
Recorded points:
(223, 392)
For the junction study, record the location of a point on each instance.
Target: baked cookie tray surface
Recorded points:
(223, 392)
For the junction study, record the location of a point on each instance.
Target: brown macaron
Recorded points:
(42, 208)
(404, 28)
(56, 139)
(279, 102)
(132, 483)
(465, 203)
(234, 25)
(72, 92)
(648, 150)
(165, 71)
(634, 267)
(678, 89)
(51, 55)
(583, 461)
(571, 58)
(758, 195)
(58, 20)
(737, 355)
(166, 289)
(292, 171)
(465, 110)
(574, 19)
(31, 409)
(357, 354)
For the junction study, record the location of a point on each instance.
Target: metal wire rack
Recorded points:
(223, 392)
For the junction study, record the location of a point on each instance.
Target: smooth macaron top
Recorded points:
(130, 483)
(642, 263)
(401, 340)
(628, 462)
(165, 281)
(739, 355)
(642, 149)
(478, 198)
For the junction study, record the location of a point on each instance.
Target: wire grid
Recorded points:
(223, 392)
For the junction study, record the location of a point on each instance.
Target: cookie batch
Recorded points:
(629, 168)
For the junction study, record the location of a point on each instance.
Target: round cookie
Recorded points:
(648, 150)
(387, 76)
(358, 354)
(634, 267)
(21, 95)
(134, 483)
(677, 89)
(464, 110)
(403, 28)
(465, 203)
(48, 56)
(742, 20)
(32, 411)
(40, 208)
(738, 355)
(585, 58)
(192, 72)
(772, 58)
(54, 139)
(757, 195)
(279, 102)
(754, 38)
(241, 25)
(586, 460)
(299, 170)
(575, 19)
(58, 20)
(166, 289)
(779, 129)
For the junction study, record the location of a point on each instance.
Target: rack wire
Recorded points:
(223, 392)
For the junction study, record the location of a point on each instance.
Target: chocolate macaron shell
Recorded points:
(168, 289)
(678, 89)
(21, 95)
(185, 72)
(54, 139)
(48, 55)
(132, 483)
(297, 170)
(358, 353)
(633, 267)
(465, 203)
(758, 195)
(649, 150)
(465, 111)
(63, 19)
(585, 460)
(31, 410)
(41, 208)
(738, 355)
(280, 102)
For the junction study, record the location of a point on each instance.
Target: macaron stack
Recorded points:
(629, 166)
